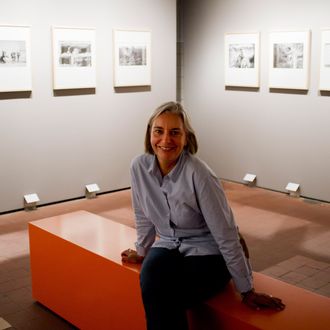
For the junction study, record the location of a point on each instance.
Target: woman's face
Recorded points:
(167, 138)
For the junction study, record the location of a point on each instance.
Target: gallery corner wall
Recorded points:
(53, 144)
(280, 135)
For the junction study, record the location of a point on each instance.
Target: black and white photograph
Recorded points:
(74, 60)
(135, 55)
(15, 58)
(289, 55)
(75, 54)
(242, 59)
(289, 59)
(324, 82)
(327, 55)
(13, 52)
(132, 58)
(241, 55)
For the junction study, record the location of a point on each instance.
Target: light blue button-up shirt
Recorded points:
(187, 209)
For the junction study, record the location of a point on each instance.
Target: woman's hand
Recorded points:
(261, 300)
(131, 256)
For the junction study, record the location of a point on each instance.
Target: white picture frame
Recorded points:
(132, 57)
(324, 83)
(74, 57)
(15, 58)
(289, 59)
(242, 51)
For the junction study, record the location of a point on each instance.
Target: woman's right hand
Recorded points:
(131, 256)
(257, 301)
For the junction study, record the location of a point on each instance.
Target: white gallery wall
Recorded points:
(55, 144)
(280, 135)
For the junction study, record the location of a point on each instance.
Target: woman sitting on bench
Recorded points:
(178, 198)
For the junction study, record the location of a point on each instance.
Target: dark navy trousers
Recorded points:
(171, 284)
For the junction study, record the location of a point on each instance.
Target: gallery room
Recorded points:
(79, 82)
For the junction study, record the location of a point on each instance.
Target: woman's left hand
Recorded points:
(261, 300)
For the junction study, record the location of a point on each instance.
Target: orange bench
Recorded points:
(77, 273)
(304, 310)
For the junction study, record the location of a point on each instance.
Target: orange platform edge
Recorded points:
(77, 273)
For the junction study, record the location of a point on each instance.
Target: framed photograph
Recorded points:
(74, 61)
(132, 58)
(289, 58)
(15, 58)
(242, 59)
(325, 61)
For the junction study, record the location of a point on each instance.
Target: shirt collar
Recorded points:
(178, 166)
(154, 169)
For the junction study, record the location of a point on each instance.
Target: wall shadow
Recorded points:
(242, 89)
(74, 92)
(132, 89)
(15, 95)
(288, 91)
(324, 93)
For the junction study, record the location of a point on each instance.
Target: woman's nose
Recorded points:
(166, 136)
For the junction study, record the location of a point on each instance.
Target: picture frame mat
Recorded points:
(73, 77)
(242, 77)
(324, 82)
(16, 78)
(131, 75)
(290, 78)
